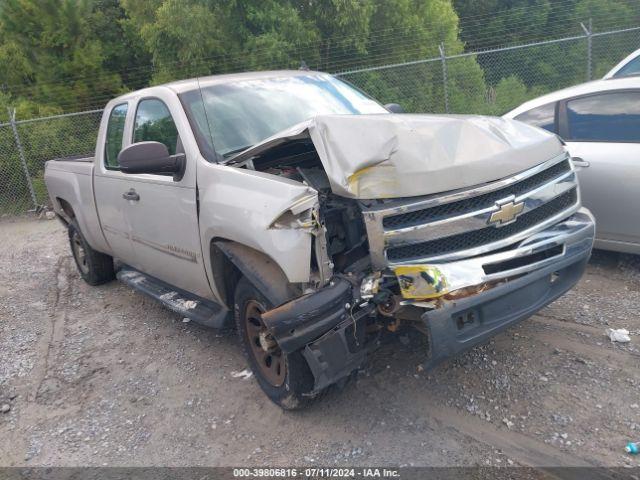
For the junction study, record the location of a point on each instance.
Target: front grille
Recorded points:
(475, 203)
(484, 236)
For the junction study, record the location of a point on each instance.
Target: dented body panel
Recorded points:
(242, 205)
(400, 155)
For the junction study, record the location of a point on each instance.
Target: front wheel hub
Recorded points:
(267, 342)
(267, 354)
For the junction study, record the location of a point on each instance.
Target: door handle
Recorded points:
(131, 195)
(579, 162)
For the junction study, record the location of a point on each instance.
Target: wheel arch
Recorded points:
(230, 260)
(70, 209)
(66, 213)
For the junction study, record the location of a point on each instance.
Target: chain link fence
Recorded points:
(492, 82)
(26, 145)
(487, 82)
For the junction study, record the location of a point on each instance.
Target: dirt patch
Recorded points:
(104, 375)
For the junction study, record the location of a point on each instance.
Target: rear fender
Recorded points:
(77, 191)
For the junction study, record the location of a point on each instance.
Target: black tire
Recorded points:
(292, 389)
(95, 268)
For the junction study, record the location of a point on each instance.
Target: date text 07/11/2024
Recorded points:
(315, 472)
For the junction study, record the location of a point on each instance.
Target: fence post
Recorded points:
(23, 160)
(445, 82)
(588, 32)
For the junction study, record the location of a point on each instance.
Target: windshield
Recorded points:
(230, 117)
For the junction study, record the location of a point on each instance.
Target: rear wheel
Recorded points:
(285, 378)
(95, 268)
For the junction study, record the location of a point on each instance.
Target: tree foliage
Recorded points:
(76, 54)
(61, 52)
(65, 55)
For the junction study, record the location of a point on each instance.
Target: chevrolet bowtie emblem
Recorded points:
(507, 213)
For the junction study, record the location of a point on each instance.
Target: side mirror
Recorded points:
(151, 157)
(394, 108)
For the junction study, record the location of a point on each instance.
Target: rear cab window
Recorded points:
(603, 117)
(543, 117)
(115, 133)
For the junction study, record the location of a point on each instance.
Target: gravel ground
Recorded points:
(105, 376)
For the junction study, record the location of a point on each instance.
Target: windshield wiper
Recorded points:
(236, 150)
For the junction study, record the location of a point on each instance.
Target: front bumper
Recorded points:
(536, 251)
(330, 334)
(462, 323)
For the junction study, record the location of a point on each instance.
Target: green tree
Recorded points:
(188, 38)
(342, 26)
(197, 37)
(55, 48)
(423, 24)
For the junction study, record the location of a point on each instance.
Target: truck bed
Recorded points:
(79, 165)
(75, 158)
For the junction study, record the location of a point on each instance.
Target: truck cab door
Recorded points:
(109, 184)
(162, 212)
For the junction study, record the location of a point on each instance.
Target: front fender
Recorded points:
(242, 205)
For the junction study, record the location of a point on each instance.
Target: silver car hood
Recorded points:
(402, 155)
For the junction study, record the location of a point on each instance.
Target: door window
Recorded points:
(154, 123)
(607, 117)
(631, 68)
(115, 131)
(543, 117)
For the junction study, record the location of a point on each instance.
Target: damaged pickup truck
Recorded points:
(306, 212)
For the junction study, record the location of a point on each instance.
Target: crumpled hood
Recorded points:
(404, 155)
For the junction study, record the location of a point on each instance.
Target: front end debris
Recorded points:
(458, 265)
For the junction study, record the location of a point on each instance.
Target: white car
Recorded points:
(628, 67)
(600, 123)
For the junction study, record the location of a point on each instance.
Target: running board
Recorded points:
(198, 309)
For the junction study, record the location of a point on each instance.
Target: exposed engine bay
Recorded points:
(377, 293)
(346, 239)
(341, 259)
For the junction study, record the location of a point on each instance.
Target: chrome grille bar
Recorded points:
(489, 237)
(394, 227)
